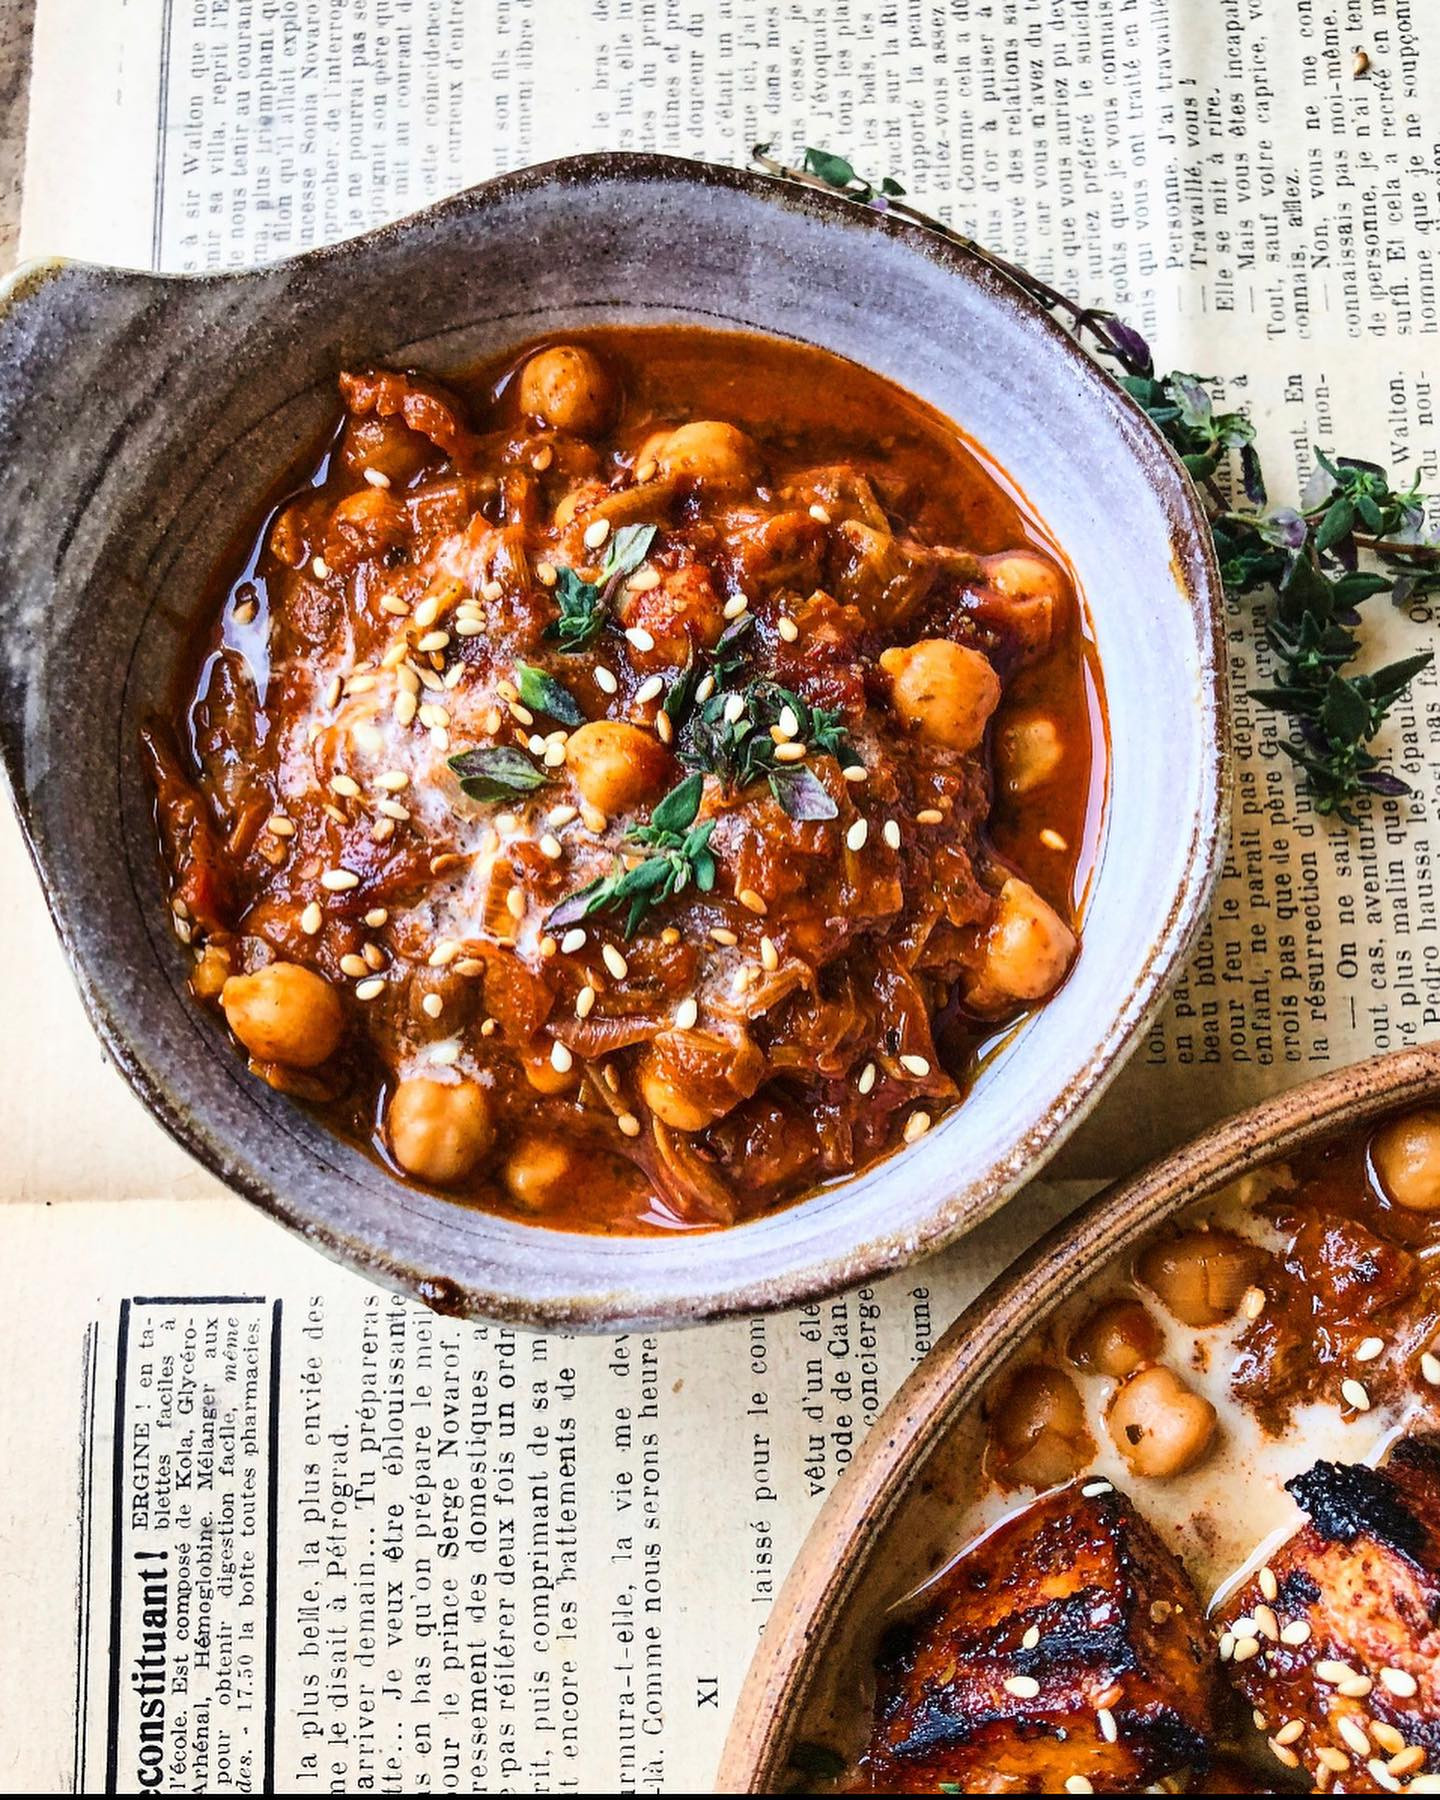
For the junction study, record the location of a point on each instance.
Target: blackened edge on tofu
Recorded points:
(1350, 1500)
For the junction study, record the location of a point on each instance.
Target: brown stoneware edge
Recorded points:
(634, 1296)
(769, 1717)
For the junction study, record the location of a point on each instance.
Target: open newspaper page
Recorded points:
(1262, 201)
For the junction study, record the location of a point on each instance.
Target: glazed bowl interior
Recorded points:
(894, 1512)
(145, 419)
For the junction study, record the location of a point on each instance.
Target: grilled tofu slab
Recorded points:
(1336, 1642)
(1065, 1652)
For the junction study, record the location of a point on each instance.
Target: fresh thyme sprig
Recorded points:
(1309, 555)
(678, 853)
(585, 605)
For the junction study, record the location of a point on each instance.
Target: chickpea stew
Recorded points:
(629, 787)
(1200, 1511)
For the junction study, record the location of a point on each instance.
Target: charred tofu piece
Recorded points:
(1065, 1653)
(1336, 1641)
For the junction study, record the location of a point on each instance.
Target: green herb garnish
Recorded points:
(1308, 554)
(543, 693)
(496, 774)
(585, 605)
(741, 751)
(679, 854)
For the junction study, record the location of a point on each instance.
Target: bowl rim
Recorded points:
(1196, 576)
(951, 1375)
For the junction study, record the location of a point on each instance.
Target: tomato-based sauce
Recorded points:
(629, 786)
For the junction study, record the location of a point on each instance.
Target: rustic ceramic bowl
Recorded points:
(819, 1639)
(143, 419)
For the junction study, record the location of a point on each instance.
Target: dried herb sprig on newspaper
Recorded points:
(1308, 555)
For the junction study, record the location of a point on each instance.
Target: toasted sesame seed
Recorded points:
(918, 1066)
(735, 607)
(1352, 1734)
(432, 641)
(426, 613)
(930, 815)
(1031, 1638)
(605, 679)
(1336, 1761)
(584, 1000)
(561, 1061)
(546, 574)
(1109, 1730)
(593, 819)
(491, 590)
(515, 903)
(705, 688)
(395, 606)
(1294, 1634)
(855, 772)
(1430, 1368)
(664, 730)
(648, 689)
(334, 812)
(787, 724)
(572, 941)
(1286, 1758)
(645, 468)
(686, 1013)
(377, 478)
(1400, 1683)
(855, 837)
(639, 638)
(433, 1005)
(1245, 1648)
(1290, 1731)
(334, 691)
(818, 512)
(789, 753)
(1079, 1784)
(787, 628)
(769, 955)
(734, 706)
(1267, 1624)
(376, 917)
(371, 988)
(614, 962)
(1269, 1586)
(867, 1078)
(433, 715)
(891, 834)
(312, 919)
(724, 936)
(1355, 1394)
(406, 706)
(279, 826)
(643, 580)
(360, 684)
(1369, 1348)
(1093, 1489)
(555, 754)
(1358, 1687)
(1388, 1738)
(355, 965)
(374, 956)
(446, 1051)
(1052, 840)
(751, 901)
(445, 951)
(629, 1124)
(1331, 1672)
(321, 568)
(596, 534)
(338, 880)
(551, 846)
(548, 946)
(1407, 1761)
(1023, 1687)
(1226, 1647)
(542, 459)
(1245, 1627)
(916, 1126)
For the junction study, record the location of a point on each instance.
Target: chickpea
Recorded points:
(1022, 575)
(439, 1130)
(617, 766)
(709, 450)
(1029, 751)
(569, 388)
(1200, 1276)
(1116, 1339)
(1038, 1428)
(284, 1013)
(1160, 1426)
(1405, 1153)
(537, 1172)
(946, 691)
(1026, 953)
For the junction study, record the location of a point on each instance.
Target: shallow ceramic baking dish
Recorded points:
(144, 418)
(804, 1682)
